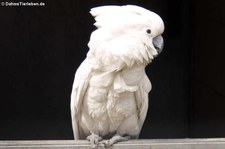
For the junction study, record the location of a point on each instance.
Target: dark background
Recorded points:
(41, 48)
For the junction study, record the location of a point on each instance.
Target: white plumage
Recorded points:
(110, 92)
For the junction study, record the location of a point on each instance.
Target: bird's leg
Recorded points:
(94, 139)
(116, 138)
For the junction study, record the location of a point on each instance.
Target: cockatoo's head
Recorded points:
(130, 31)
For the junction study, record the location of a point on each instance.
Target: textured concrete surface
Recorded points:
(132, 144)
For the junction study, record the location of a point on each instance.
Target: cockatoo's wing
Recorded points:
(142, 99)
(80, 85)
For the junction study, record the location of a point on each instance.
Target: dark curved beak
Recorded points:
(158, 43)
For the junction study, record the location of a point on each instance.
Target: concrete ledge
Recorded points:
(132, 144)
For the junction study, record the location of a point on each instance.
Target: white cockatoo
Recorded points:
(109, 100)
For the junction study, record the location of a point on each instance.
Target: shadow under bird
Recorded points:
(109, 99)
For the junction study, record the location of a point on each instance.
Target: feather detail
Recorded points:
(121, 86)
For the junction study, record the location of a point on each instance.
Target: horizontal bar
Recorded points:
(216, 143)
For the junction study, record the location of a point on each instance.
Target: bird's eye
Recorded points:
(148, 31)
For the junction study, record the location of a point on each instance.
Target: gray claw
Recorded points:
(94, 140)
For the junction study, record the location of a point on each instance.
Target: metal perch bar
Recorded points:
(217, 143)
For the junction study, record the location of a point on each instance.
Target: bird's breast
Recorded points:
(113, 92)
(110, 98)
(106, 103)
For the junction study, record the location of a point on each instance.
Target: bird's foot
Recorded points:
(94, 139)
(115, 139)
